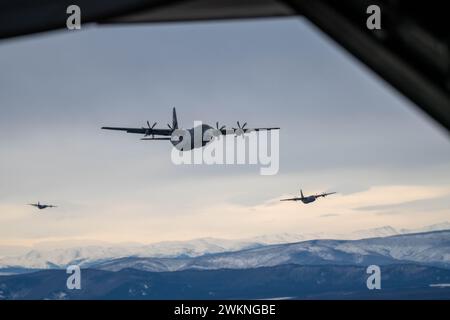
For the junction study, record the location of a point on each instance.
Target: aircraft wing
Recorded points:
(324, 194)
(233, 131)
(146, 131)
(291, 199)
(261, 129)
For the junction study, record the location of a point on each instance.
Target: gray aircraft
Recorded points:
(183, 139)
(308, 199)
(42, 206)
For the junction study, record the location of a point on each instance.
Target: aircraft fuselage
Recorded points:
(186, 139)
(308, 199)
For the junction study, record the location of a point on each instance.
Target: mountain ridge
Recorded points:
(287, 281)
(428, 248)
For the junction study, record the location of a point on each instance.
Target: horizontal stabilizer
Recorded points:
(155, 138)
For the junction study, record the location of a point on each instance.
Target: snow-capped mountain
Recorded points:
(432, 248)
(293, 237)
(384, 231)
(434, 227)
(48, 258)
(44, 257)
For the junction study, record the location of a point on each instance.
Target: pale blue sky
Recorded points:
(342, 129)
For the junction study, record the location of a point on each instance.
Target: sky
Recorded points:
(342, 129)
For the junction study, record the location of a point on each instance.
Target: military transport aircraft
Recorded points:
(184, 139)
(42, 206)
(308, 199)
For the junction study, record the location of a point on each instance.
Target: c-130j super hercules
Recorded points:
(184, 139)
(42, 206)
(308, 199)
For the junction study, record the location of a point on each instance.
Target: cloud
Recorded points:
(422, 205)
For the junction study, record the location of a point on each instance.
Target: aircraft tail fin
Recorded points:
(174, 119)
(301, 193)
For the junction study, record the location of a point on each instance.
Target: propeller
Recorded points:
(150, 127)
(218, 131)
(217, 127)
(241, 130)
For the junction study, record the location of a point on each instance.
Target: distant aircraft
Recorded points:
(42, 206)
(180, 137)
(308, 199)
